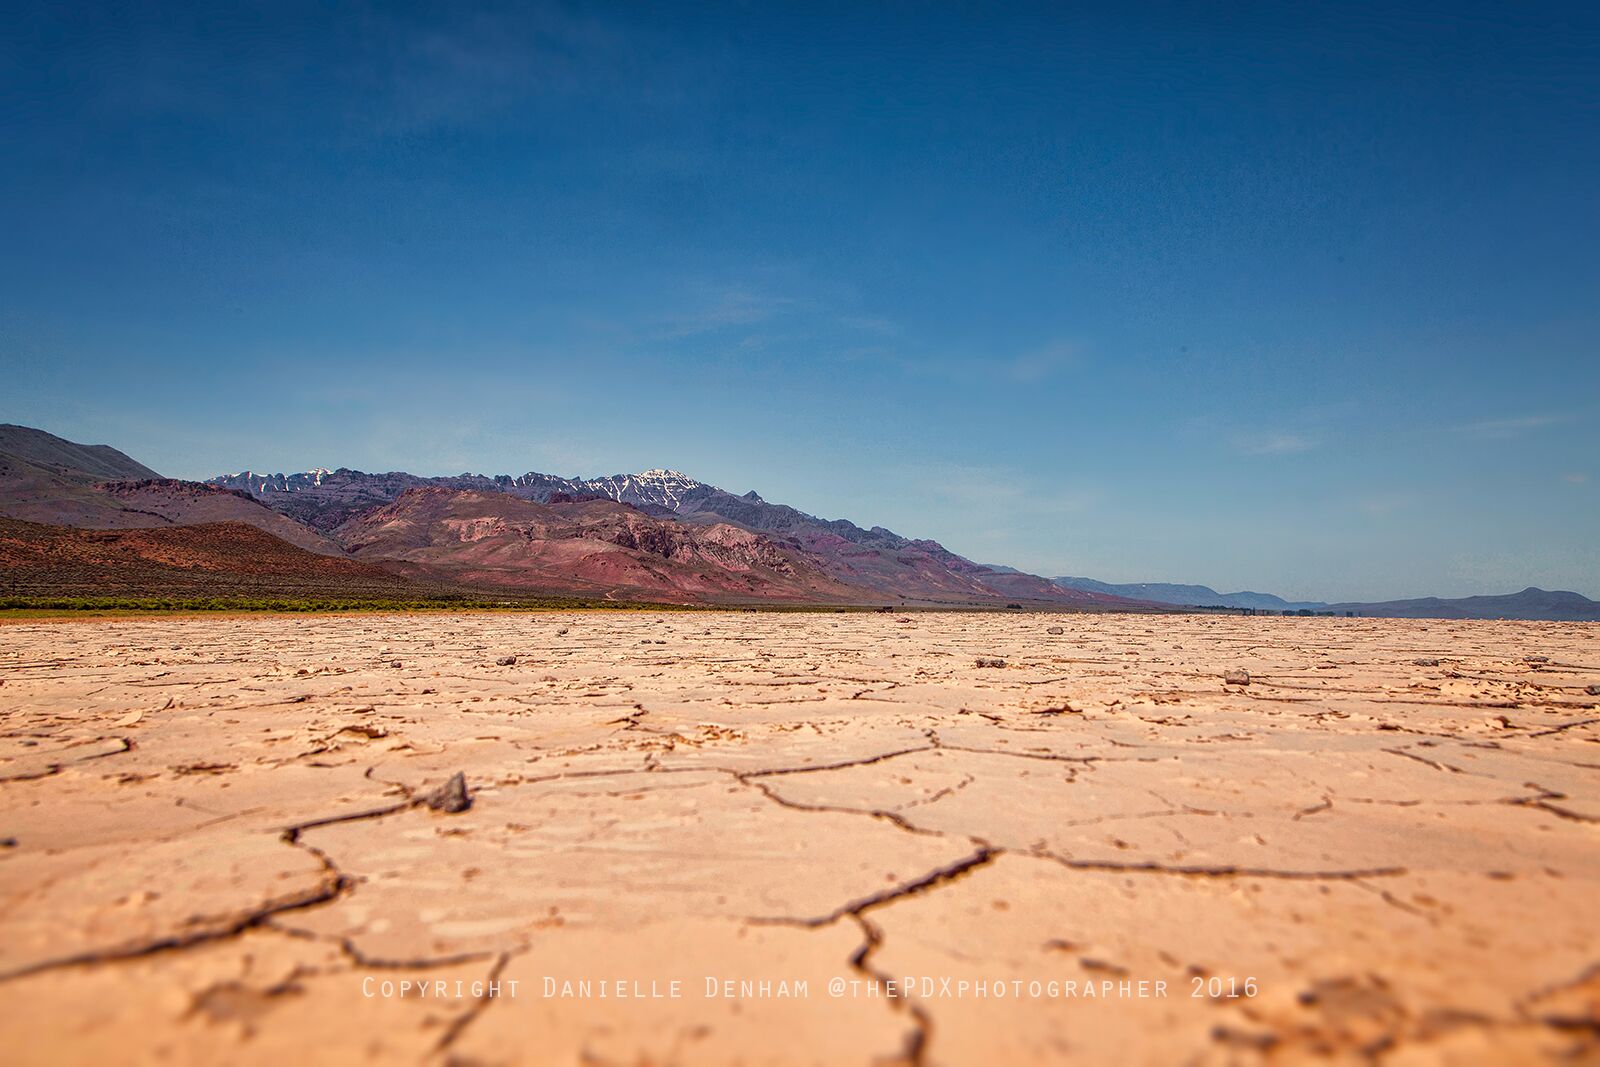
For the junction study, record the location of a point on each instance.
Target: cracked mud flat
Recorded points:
(216, 845)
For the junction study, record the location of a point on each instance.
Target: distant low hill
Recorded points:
(1530, 603)
(1189, 595)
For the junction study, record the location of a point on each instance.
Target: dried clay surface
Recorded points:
(1120, 839)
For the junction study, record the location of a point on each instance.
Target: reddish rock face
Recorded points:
(592, 546)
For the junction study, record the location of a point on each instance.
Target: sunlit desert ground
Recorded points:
(838, 838)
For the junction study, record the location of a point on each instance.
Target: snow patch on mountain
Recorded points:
(258, 484)
(659, 486)
(664, 488)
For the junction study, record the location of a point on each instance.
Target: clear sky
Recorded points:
(1293, 297)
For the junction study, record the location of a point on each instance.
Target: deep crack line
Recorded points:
(1542, 802)
(1563, 726)
(334, 884)
(916, 1042)
(1221, 870)
(54, 769)
(894, 818)
(1053, 757)
(981, 857)
(467, 1018)
(1425, 761)
(351, 951)
(862, 762)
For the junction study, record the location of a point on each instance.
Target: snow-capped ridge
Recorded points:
(658, 486)
(256, 484)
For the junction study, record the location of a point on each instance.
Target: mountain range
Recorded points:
(1529, 603)
(654, 536)
(874, 563)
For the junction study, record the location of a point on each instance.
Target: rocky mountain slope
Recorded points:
(201, 560)
(878, 561)
(160, 501)
(84, 464)
(46, 479)
(591, 546)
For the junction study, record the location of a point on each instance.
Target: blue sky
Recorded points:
(1301, 298)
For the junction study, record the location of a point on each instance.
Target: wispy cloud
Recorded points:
(873, 324)
(1272, 444)
(1575, 477)
(457, 69)
(726, 310)
(1501, 429)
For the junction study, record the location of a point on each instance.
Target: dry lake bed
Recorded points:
(716, 838)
